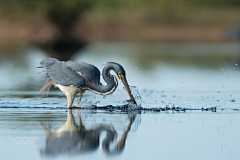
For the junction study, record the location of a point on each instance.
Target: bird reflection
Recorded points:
(72, 139)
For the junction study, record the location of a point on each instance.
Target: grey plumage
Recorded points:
(61, 73)
(76, 77)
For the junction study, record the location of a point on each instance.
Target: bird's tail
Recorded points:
(46, 86)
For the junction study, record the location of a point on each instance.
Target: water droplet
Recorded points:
(135, 94)
(223, 86)
(202, 99)
(93, 95)
(218, 92)
(136, 67)
(182, 82)
(236, 64)
(230, 95)
(222, 69)
(230, 70)
(104, 97)
(158, 67)
(226, 77)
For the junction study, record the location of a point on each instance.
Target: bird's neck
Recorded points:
(111, 81)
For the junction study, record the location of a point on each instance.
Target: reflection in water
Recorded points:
(71, 138)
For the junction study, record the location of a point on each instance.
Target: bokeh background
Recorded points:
(61, 27)
(178, 53)
(165, 45)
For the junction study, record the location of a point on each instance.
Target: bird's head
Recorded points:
(119, 70)
(47, 62)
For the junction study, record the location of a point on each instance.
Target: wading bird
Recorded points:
(76, 77)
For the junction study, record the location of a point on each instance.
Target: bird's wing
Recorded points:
(60, 73)
(88, 71)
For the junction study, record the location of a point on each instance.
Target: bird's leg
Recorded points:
(70, 99)
(80, 97)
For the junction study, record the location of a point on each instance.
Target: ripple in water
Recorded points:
(84, 104)
(89, 104)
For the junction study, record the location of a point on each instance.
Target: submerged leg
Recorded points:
(70, 99)
(80, 97)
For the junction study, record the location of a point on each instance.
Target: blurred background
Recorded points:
(166, 45)
(178, 53)
(63, 27)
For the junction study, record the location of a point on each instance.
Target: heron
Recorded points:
(76, 77)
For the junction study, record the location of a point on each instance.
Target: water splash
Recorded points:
(84, 104)
(136, 96)
(94, 95)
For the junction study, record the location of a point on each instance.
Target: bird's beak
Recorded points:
(39, 67)
(126, 86)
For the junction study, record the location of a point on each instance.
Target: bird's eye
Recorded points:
(120, 75)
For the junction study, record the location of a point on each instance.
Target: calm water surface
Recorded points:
(190, 76)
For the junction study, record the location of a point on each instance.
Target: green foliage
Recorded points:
(216, 3)
(80, 5)
(66, 11)
(61, 6)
